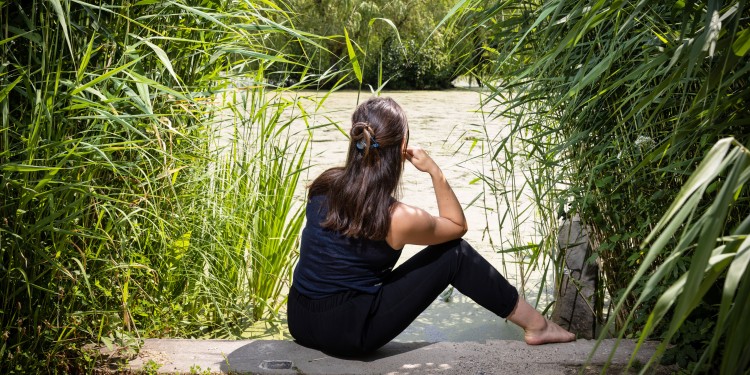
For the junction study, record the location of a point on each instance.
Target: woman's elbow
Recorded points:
(462, 230)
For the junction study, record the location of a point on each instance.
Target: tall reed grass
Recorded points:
(147, 175)
(612, 106)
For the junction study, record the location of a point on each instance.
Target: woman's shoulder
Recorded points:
(406, 220)
(412, 225)
(403, 214)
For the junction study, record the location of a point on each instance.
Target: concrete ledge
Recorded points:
(287, 357)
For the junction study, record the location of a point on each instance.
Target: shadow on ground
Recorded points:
(288, 355)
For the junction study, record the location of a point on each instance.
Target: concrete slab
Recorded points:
(287, 357)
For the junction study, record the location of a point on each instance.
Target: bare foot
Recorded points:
(537, 329)
(550, 333)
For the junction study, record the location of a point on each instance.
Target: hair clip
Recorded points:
(361, 144)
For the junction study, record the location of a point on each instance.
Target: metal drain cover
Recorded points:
(276, 365)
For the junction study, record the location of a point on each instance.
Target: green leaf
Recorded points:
(163, 58)
(86, 57)
(103, 77)
(4, 92)
(451, 13)
(24, 34)
(63, 23)
(249, 53)
(199, 13)
(393, 26)
(353, 57)
(26, 168)
(742, 43)
(706, 171)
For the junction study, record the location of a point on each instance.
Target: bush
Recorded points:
(130, 201)
(412, 66)
(615, 105)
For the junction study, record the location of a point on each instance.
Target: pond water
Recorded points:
(450, 126)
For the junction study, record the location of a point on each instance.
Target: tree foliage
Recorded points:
(393, 40)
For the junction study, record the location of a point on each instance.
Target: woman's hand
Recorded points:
(421, 160)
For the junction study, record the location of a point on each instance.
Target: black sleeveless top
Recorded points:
(331, 263)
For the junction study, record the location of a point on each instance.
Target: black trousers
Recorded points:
(352, 323)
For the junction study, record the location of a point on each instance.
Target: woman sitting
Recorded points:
(346, 298)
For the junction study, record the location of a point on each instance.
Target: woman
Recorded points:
(346, 298)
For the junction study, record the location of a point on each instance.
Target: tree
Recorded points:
(380, 31)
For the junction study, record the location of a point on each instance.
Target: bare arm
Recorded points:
(411, 225)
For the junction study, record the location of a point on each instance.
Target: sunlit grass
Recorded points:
(147, 175)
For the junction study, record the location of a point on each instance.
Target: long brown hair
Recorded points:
(359, 194)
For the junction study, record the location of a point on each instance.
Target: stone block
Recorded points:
(575, 297)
